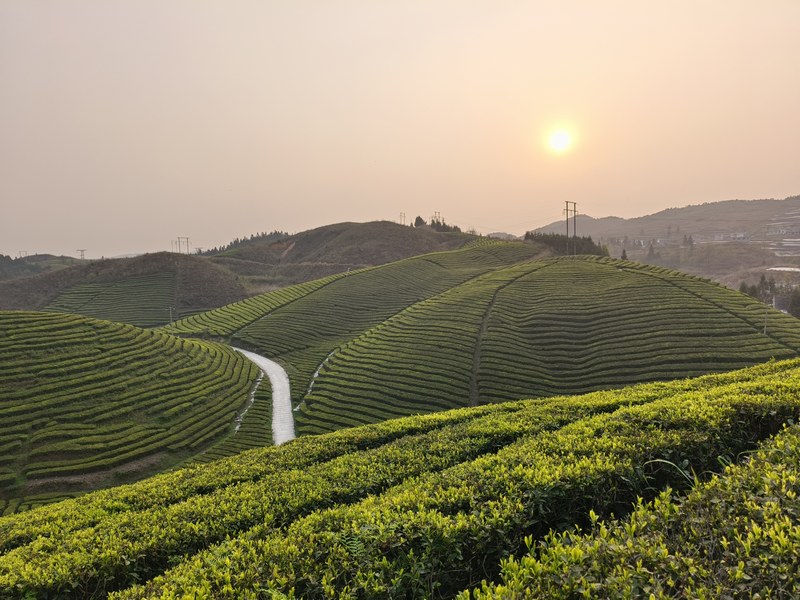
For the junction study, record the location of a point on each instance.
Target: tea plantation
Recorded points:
(87, 403)
(142, 300)
(449, 503)
(488, 324)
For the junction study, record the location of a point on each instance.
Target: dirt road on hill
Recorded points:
(282, 419)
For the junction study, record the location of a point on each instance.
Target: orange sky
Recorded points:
(126, 123)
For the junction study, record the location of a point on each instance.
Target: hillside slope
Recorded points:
(88, 403)
(333, 249)
(141, 291)
(26, 266)
(301, 325)
(425, 506)
(477, 325)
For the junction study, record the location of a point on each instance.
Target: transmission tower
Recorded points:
(402, 218)
(82, 251)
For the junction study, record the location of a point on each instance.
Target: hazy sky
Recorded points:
(126, 123)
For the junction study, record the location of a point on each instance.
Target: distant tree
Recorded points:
(419, 221)
(624, 255)
(794, 302)
(558, 243)
(443, 227)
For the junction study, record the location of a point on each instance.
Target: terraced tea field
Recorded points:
(145, 290)
(87, 403)
(143, 300)
(483, 325)
(435, 505)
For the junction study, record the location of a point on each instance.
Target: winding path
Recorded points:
(282, 419)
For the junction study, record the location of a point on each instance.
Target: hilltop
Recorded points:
(25, 266)
(337, 248)
(487, 323)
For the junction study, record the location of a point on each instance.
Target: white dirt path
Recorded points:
(282, 419)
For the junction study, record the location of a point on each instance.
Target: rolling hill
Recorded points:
(430, 506)
(488, 324)
(141, 291)
(152, 289)
(332, 249)
(89, 403)
(25, 266)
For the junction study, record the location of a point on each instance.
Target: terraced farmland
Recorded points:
(142, 300)
(146, 290)
(87, 403)
(300, 325)
(430, 506)
(484, 325)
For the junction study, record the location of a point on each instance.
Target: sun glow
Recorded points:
(560, 141)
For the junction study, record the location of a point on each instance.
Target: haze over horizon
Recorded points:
(124, 124)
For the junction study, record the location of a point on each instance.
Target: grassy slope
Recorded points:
(422, 506)
(88, 403)
(333, 249)
(134, 290)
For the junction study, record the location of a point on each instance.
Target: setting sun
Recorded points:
(560, 141)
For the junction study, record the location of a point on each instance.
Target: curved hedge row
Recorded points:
(737, 536)
(421, 506)
(226, 320)
(440, 532)
(88, 403)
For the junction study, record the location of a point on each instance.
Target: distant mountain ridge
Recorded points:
(731, 242)
(772, 222)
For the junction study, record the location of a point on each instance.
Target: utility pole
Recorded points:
(181, 241)
(402, 218)
(574, 211)
(82, 251)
